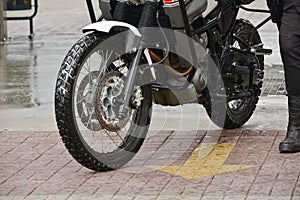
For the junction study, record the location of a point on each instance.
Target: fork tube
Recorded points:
(147, 20)
(91, 10)
(130, 84)
(185, 18)
(148, 17)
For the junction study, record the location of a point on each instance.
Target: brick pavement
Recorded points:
(35, 165)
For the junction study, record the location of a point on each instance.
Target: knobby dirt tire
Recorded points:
(64, 111)
(235, 118)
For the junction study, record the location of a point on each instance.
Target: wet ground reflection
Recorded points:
(17, 75)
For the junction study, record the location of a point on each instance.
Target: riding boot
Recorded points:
(291, 143)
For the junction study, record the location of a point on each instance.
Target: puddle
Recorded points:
(17, 76)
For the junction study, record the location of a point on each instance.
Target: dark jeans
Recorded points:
(290, 45)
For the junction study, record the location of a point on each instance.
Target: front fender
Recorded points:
(106, 26)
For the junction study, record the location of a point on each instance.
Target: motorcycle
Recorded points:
(167, 52)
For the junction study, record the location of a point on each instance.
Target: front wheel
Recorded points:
(87, 97)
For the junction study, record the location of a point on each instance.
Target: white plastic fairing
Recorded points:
(211, 5)
(106, 26)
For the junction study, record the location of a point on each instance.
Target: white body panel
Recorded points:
(211, 5)
(106, 26)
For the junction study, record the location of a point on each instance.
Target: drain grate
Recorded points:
(274, 82)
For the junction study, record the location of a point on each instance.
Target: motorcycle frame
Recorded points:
(93, 18)
(214, 23)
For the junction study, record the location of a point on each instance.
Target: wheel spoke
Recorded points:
(112, 139)
(82, 99)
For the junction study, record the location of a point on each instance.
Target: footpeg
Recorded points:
(261, 51)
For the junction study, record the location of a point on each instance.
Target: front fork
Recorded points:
(147, 19)
(129, 85)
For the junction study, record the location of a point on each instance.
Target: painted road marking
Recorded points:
(207, 160)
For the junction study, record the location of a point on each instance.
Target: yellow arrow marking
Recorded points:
(207, 160)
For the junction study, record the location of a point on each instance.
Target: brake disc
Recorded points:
(107, 102)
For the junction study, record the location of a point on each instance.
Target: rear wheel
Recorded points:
(88, 89)
(239, 111)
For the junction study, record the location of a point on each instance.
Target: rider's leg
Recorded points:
(290, 51)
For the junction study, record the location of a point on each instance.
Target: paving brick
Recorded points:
(5, 189)
(139, 197)
(164, 197)
(258, 197)
(25, 188)
(156, 184)
(196, 187)
(283, 188)
(13, 198)
(36, 197)
(56, 197)
(14, 137)
(261, 188)
(175, 187)
(92, 184)
(296, 191)
(238, 197)
(217, 197)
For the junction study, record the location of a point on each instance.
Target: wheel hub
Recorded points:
(107, 102)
